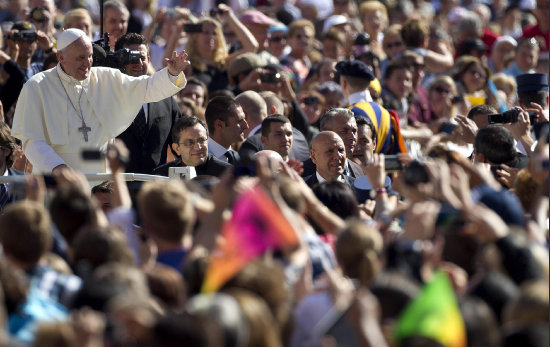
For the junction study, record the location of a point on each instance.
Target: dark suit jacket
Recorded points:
(309, 167)
(13, 195)
(212, 167)
(312, 180)
(148, 153)
(299, 150)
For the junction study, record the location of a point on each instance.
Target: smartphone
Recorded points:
(192, 28)
(392, 163)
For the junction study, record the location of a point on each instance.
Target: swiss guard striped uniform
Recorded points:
(386, 123)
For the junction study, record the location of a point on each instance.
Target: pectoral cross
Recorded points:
(84, 130)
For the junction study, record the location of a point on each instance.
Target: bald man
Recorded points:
(272, 104)
(329, 155)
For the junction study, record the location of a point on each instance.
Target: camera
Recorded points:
(21, 36)
(270, 77)
(37, 14)
(103, 56)
(510, 116)
(192, 28)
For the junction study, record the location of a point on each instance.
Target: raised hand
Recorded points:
(177, 63)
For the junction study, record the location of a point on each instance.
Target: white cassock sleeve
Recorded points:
(40, 154)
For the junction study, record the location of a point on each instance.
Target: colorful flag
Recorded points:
(434, 314)
(256, 225)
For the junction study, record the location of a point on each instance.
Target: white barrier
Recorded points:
(99, 177)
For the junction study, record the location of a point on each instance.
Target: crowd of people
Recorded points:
(322, 173)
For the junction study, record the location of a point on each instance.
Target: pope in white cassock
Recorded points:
(75, 106)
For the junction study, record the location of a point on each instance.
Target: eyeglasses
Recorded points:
(396, 44)
(277, 39)
(442, 90)
(477, 73)
(191, 143)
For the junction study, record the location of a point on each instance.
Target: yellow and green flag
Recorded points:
(434, 314)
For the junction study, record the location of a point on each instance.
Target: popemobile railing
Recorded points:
(99, 177)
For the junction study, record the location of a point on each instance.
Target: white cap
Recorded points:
(333, 20)
(69, 36)
(505, 38)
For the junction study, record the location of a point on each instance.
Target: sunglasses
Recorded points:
(277, 39)
(393, 44)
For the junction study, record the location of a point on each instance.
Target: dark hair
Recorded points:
(184, 123)
(338, 197)
(131, 39)
(482, 329)
(360, 120)
(195, 81)
(496, 143)
(25, 231)
(50, 58)
(7, 141)
(71, 209)
(274, 118)
(100, 245)
(481, 110)
(331, 114)
(103, 187)
(394, 66)
(218, 109)
(536, 96)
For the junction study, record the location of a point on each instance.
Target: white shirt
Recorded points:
(362, 96)
(321, 179)
(217, 150)
(108, 101)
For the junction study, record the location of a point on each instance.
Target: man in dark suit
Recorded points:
(300, 146)
(190, 142)
(148, 137)
(7, 157)
(342, 122)
(328, 153)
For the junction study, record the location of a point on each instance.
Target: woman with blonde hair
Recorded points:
(78, 18)
(507, 86)
(440, 96)
(207, 49)
(374, 17)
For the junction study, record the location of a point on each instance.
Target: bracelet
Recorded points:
(171, 73)
(380, 191)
